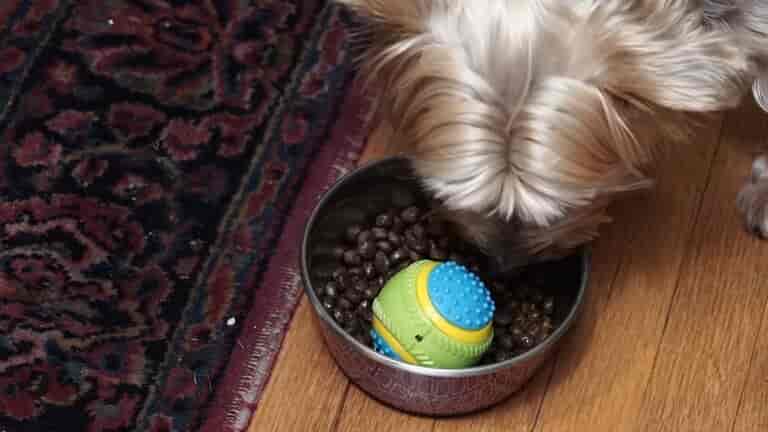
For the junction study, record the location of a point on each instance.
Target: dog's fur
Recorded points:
(528, 117)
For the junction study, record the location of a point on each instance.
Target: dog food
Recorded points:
(370, 254)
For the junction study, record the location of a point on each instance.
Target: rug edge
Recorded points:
(254, 357)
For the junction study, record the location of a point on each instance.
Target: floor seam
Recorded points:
(752, 357)
(540, 408)
(689, 243)
(340, 410)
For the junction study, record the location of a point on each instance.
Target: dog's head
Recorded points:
(525, 118)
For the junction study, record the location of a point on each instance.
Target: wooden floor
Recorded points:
(674, 336)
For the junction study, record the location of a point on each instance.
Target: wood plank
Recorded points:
(604, 367)
(518, 414)
(362, 413)
(703, 362)
(306, 390)
(752, 414)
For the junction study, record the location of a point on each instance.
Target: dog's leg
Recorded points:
(753, 198)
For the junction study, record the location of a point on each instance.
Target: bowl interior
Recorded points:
(389, 183)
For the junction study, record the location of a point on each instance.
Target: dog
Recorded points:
(527, 118)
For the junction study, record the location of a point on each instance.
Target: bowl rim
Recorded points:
(320, 312)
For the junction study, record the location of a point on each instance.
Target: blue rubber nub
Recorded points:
(382, 347)
(460, 296)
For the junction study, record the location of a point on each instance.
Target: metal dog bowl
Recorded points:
(372, 189)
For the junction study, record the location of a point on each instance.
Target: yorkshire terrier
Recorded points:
(526, 118)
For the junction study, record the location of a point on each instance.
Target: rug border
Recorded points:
(252, 360)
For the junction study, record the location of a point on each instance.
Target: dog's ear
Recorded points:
(662, 53)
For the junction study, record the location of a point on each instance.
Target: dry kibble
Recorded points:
(369, 270)
(364, 310)
(381, 262)
(548, 306)
(345, 280)
(394, 238)
(384, 246)
(338, 273)
(331, 289)
(507, 342)
(338, 315)
(364, 236)
(338, 252)
(419, 231)
(353, 296)
(329, 303)
(370, 293)
(344, 304)
(398, 225)
(370, 254)
(380, 233)
(527, 341)
(360, 285)
(385, 220)
(414, 242)
(410, 215)
(398, 256)
(352, 233)
(414, 256)
(352, 258)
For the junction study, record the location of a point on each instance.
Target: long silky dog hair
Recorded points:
(527, 118)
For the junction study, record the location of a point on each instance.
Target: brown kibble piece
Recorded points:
(331, 289)
(398, 256)
(352, 258)
(394, 238)
(411, 215)
(352, 233)
(344, 304)
(338, 252)
(384, 246)
(353, 296)
(381, 262)
(385, 220)
(367, 249)
(364, 236)
(369, 270)
(380, 233)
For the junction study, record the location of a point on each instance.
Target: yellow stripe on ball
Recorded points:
(425, 302)
(390, 339)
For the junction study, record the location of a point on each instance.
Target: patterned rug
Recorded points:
(158, 159)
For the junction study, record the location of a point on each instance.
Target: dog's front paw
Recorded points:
(753, 198)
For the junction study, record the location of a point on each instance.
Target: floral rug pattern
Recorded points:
(157, 161)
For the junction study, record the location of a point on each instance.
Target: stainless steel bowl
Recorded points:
(372, 189)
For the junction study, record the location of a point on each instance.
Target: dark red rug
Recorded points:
(158, 159)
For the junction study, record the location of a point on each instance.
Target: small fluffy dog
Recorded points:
(526, 118)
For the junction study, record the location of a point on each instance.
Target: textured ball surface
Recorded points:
(460, 296)
(435, 315)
